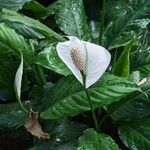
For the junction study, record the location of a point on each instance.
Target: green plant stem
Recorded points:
(20, 103)
(92, 110)
(102, 18)
(90, 103)
(102, 121)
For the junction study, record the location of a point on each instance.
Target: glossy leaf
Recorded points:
(71, 99)
(71, 18)
(39, 10)
(136, 135)
(12, 4)
(134, 106)
(14, 43)
(122, 30)
(25, 30)
(11, 115)
(49, 59)
(115, 8)
(142, 56)
(91, 140)
(7, 74)
(95, 28)
(134, 76)
(64, 136)
(35, 25)
(122, 66)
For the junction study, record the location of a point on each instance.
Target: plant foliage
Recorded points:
(120, 100)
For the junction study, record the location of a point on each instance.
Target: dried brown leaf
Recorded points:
(33, 126)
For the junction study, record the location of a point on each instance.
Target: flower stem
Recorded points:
(20, 103)
(92, 110)
(90, 102)
(102, 21)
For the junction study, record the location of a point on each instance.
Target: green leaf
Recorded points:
(35, 25)
(136, 135)
(121, 31)
(12, 42)
(11, 115)
(71, 99)
(8, 67)
(115, 8)
(95, 28)
(64, 136)
(122, 66)
(71, 18)
(7, 74)
(25, 30)
(39, 10)
(134, 106)
(12, 4)
(91, 140)
(49, 59)
(142, 56)
(135, 77)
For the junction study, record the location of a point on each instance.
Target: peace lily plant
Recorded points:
(87, 61)
(61, 111)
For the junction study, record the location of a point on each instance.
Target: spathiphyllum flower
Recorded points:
(83, 57)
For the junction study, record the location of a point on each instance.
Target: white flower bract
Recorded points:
(95, 59)
(18, 78)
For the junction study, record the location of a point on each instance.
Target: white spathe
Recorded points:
(18, 78)
(97, 58)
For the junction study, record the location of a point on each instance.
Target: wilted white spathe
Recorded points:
(18, 78)
(84, 56)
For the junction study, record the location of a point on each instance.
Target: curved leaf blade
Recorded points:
(134, 106)
(143, 65)
(8, 15)
(38, 9)
(12, 4)
(136, 135)
(71, 18)
(49, 59)
(14, 43)
(71, 99)
(91, 140)
(67, 133)
(122, 66)
(123, 29)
